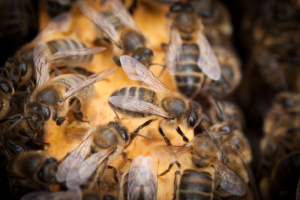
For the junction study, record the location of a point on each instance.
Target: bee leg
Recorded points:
(33, 138)
(76, 110)
(143, 126)
(170, 167)
(38, 141)
(182, 134)
(117, 61)
(60, 120)
(175, 184)
(125, 156)
(167, 140)
(115, 171)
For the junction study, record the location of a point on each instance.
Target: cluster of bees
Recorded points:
(197, 148)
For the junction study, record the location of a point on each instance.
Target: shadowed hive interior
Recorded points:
(66, 137)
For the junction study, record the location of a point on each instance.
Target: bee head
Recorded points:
(145, 56)
(48, 171)
(6, 86)
(121, 129)
(38, 114)
(195, 115)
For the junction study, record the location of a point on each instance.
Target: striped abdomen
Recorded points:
(113, 19)
(140, 93)
(189, 77)
(195, 185)
(64, 44)
(54, 8)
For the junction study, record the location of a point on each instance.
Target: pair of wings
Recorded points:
(75, 169)
(229, 181)
(142, 173)
(42, 57)
(101, 21)
(71, 194)
(137, 71)
(207, 60)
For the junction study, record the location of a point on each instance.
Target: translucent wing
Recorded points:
(99, 20)
(121, 11)
(87, 82)
(229, 180)
(207, 60)
(137, 71)
(74, 53)
(142, 173)
(40, 53)
(63, 2)
(74, 159)
(77, 176)
(174, 51)
(72, 194)
(168, 153)
(135, 105)
(60, 23)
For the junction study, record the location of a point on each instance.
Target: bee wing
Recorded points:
(169, 153)
(135, 105)
(229, 180)
(40, 53)
(73, 159)
(88, 81)
(60, 23)
(121, 11)
(137, 71)
(73, 53)
(174, 51)
(85, 169)
(99, 20)
(72, 194)
(207, 61)
(142, 173)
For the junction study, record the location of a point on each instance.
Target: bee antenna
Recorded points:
(206, 131)
(14, 124)
(115, 112)
(250, 175)
(141, 136)
(217, 104)
(44, 130)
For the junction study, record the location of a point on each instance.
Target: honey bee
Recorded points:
(56, 7)
(156, 102)
(89, 160)
(72, 52)
(189, 55)
(20, 68)
(140, 182)
(226, 111)
(215, 18)
(231, 74)
(230, 135)
(116, 23)
(203, 174)
(49, 100)
(281, 130)
(38, 169)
